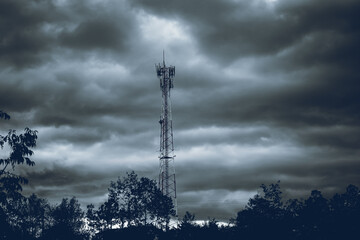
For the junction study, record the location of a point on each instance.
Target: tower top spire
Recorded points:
(164, 57)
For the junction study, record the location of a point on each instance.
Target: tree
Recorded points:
(108, 213)
(36, 217)
(68, 221)
(29, 215)
(345, 210)
(10, 183)
(92, 218)
(4, 115)
(293, 210)
(20, 150)
(188, 220)
(266, 205)
(315, 215)
(266, 211)
(132, 201)
(69, 213)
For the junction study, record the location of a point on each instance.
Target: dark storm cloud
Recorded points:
(32, 31)
(55, 181)
(340, 137)
(58, 175)
(298, 175)
(217, 135)
(319, 37)
(50, 100)
(315, 172)
(231, 29)
(22, 38)
(94, 34)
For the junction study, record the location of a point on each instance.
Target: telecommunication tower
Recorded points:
(167, 181)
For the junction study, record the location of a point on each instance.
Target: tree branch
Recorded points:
(3, 170)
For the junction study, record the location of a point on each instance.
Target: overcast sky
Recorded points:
(265, 90)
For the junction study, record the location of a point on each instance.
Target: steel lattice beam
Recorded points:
(167, 180)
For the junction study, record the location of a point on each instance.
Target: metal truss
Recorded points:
(167, 180)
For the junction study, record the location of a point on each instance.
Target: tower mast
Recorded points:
(167, 181)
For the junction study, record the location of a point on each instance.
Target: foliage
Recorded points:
(313, 218)
(67, 221)
(15, 219)
(188, 221)
(4, 115)
(20, 150)
(264, 211)
(132, 201)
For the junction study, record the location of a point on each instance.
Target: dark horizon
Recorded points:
(264, 91)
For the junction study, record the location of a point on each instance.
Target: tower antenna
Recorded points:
(167, 180)
(164, 58)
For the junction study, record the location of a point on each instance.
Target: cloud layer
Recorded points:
(264, 91)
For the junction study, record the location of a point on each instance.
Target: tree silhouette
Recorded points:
(264, 211)
(28, 215)
(4, 115)
(315, 216)
(67, 221)
(188, 228)
(140, 200)
(187, 221)
(36, 215)
(132, 202)
(10, 183)
(345, 213)
(108, 213)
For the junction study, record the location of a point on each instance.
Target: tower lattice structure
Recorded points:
(167, 180)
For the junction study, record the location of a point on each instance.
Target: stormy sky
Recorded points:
(265, 90)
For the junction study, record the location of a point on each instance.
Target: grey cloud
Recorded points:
(310, 171)
(92, 34)
(231, 29)
(103, 25)
(55, 180)
(217, 135)
(33, 32)
(339, 137)
(316, 36)
(23, 40)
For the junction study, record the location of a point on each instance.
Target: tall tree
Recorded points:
(266, 211)
(68, 221)
(36, 215)
(315, 216)
(133, 201)
(345, 213)
(188, 228)
(29, 215)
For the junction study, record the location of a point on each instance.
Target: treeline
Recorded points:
(316, 217)
(136, 209)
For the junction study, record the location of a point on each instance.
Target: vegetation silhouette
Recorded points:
(132, 202)
(136, 209)
(13, 217)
